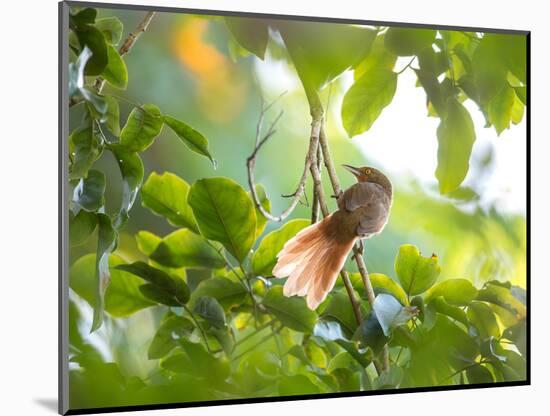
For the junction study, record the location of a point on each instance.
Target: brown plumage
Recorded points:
(315, 256)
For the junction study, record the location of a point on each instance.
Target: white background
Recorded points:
(28, 185)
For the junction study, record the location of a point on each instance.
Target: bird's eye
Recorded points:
(368, 171)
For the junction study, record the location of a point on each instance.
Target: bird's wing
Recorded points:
(371, 204)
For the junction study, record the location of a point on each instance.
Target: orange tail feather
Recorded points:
(312, 261)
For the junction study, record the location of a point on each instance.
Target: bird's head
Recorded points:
(370, 174)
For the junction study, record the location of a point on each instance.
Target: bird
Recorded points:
(313, 258)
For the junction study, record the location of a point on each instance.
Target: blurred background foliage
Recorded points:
(194, 69)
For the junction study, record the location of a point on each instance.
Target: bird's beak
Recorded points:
(353, 170)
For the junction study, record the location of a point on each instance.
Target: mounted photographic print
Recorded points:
(264, 208)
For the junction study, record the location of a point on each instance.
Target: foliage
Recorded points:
(227, 330)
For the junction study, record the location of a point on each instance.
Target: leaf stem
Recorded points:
(199, 326)
(407, 66)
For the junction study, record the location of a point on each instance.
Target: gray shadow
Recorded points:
(48, 404)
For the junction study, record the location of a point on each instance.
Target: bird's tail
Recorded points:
(312, 260)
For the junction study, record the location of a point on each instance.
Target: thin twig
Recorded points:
(199, 326)
(310, 157)
(261, 341)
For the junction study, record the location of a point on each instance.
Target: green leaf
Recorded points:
(183, 248)
(408, 41)
(390, 379)
(252, 34)
(390, 313)
(370, 333)
(111, 116)
(106, 242)
(441, 306)
(330, 330)
(147, 242)
(378, 57)
(521, 92)
(86, 147)
(295, 385)
(143, 125)
(518, 109)
(176, 287)
(122, 297)
(456, 136)
(502, 297)
(341, 360)
(81, 226)
(224, 213)
(171, 329)
(483, 319)
(115, 73)
(261, 221)
(158, 295)
(322, 51)
(479, 374)
(131, 169)
(166, 195)
(384, 284)
(339, 308)
(194, 140)
(92, 38)
(292, 312)
(366, 99)
(76, 71)
(111, 27)
(265, 257)
(89, 193)
(455, 291)
(434, 92)
(227, 292)
(500, 108)
(416, 273)
(82, 17)
(210, 310)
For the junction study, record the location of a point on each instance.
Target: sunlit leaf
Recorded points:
(456, 136)
(224, 213)
(183, 248)
(483, 319)
(292, 312)
(115, 72)
(147, 242)
(261, 221)
(454, 291)
(503, 297)
(500, 108)
(366, 99)
(252, 34)
(378, 57)
(111, 27)
(265, 257)
(144, 124)
(191, 137)
(166, 195)
(384, 284)
(408, 41)
(416, 273)
(296, 384)
(390, 313)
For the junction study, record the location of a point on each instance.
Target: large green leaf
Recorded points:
(483, 319)
(366, 99)
(143, 125)
(210, 310)
(86, 147)
(191, 137)
(500, 108)
(183, 248)
(173, 286)
(82, 17)
(378, 57)
(456, 136)
(131, 169)
(292, 385)
(252, 34)
(390, 313)
(225, 213)
(166, 195)
(122, 297)
(89, 192)
(370, 333)
(408, 41)
(81, 226)
(110, 117)
(111, 27)
(292, 312)
(261, 221)
(322, 51)
(92, 37)
(384, 284)
(415, 272)
(503, 297)
(171, 329)
(440, 305)
(227, 292)
(115, 73)
(339, 309)
(147, 242)
(454, 291)
(265, 257)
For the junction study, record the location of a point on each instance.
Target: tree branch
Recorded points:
(309, 161)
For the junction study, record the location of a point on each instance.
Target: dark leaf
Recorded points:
(89, 193)
(408, 41)
(81, 226)
(210, 310)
